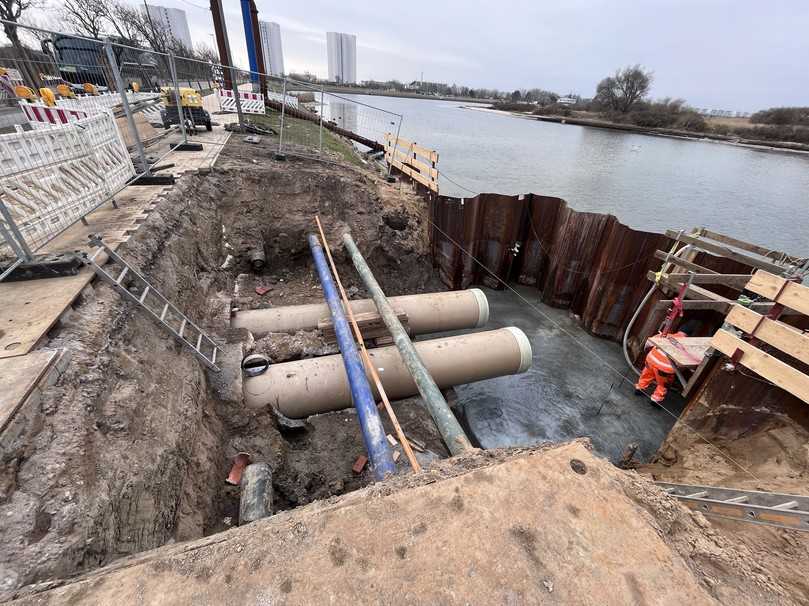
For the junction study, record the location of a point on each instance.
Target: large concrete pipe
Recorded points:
(426, 313)
(316, 385)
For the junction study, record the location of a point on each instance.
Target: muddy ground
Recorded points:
(130, 448)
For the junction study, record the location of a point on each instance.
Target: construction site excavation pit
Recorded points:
(131, 446)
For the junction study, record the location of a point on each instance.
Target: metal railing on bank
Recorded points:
(89, 117)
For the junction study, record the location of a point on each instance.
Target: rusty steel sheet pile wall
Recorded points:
(587, 262)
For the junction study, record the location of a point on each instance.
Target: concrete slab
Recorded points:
(537, 527)
(574, 388)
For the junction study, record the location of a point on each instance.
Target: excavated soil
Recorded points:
(130, 448)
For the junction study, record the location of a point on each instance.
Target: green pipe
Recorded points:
(448, 426)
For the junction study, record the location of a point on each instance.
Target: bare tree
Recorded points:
(205, 52)
(623, 90)
(86, 17)
(11, 11)
(125, 20)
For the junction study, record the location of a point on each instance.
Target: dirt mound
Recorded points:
(553, 525)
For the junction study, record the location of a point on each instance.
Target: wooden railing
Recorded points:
(768, 330)
(413, 160)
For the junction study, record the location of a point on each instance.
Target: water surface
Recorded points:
(648, 182)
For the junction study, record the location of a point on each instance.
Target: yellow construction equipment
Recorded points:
(24, 92)
(47, 96)
(191, 104)
(65, 91)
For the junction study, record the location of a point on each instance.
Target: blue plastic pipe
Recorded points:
(373, 434)
(247, 19)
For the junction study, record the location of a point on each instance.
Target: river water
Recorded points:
(650, 183)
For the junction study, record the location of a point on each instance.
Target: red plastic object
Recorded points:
(359, 464)
(262, 290)
(240, 461)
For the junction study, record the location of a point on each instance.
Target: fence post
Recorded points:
(130, 119)
(280, 155)
(238, 100)
(180, 116)
(395, 146)
(320, 129)
(14, 239)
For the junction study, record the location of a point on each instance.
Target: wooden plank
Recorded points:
(724, 251)
(736, 281)
(18, 378)
(753, 248)
(695, 305)
(423, 168)
(699, 373)
(414, 174)
(777, 372)
(662, 255)
(782, 336)
(685, 352)
(430, 154)
(370, 323)
(794, 295)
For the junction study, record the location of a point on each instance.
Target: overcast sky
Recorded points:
(740, 55)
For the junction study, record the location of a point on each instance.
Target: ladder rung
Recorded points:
(199, 341)
(143, 294)
(182, 327)
(121, 276)
(213, 357)
(741, 499)
(697, 495)
(787, 505)
(95, 254)
(163, 314)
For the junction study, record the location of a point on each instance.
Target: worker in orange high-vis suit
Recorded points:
(658, 369)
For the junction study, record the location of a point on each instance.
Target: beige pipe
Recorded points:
(426, 313)
(316, 385)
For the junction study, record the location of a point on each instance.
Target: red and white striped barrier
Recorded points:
(252, 103)
(41, 113)
(52, 176)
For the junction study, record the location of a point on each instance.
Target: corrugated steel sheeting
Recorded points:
(588, 262)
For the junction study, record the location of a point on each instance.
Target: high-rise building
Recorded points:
(173, 20)
(342, 54)
(271, 47)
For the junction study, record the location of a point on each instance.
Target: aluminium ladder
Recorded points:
(133, 286)
(768, 508)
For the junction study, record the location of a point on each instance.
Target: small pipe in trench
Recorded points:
(256, 493)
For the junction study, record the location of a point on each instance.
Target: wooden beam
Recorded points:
(781, 374)
(699, 373)
(663, 255)
(430, 154)
(781, 336)
(424, 168)
(720, 306)
(753, 248)
(792, 295)
(696, 305)
(414, 174)
(735, 281)
(724, 251)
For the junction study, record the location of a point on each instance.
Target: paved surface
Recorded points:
(569, 392)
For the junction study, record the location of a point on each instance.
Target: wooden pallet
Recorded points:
(370, 324)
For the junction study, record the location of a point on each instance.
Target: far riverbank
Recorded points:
(660, 132)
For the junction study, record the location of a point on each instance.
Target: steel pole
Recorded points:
(130, 119)
(395, 146)
(373, 433)
(451, 431)
(283, 111)
(180, 116)
(320, 129)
